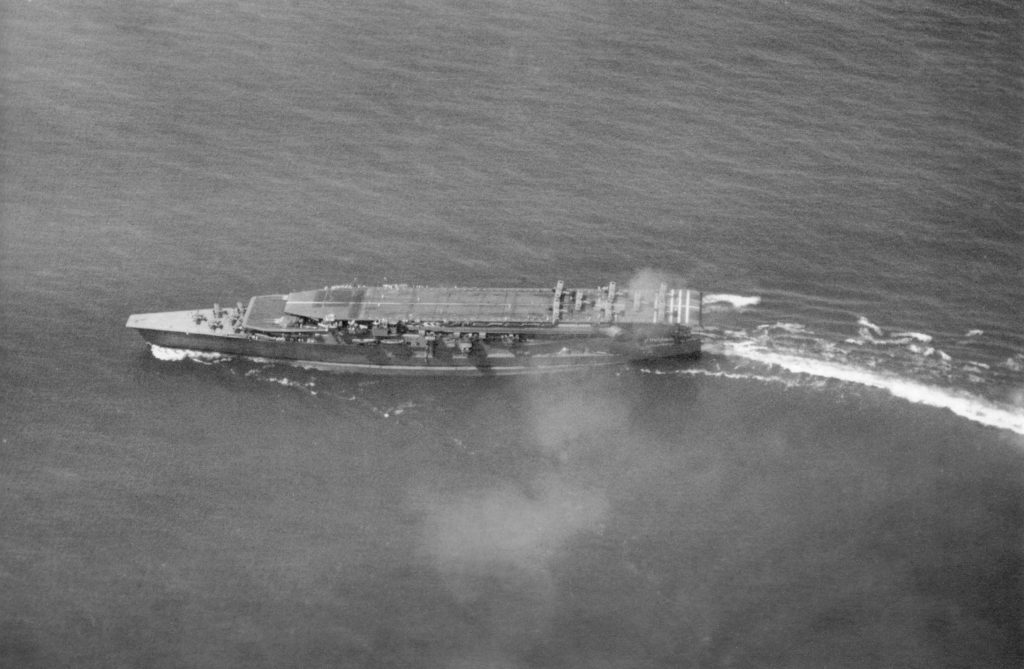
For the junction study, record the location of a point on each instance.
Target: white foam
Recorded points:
(963, 404)
(395, 411)
(865, 323)
(916, 336)
(259, 374)
(288, 383)
(177, 354)
(1014, 364)
(718, 374)
(737, 301)
(871, 333)
(865, 336)
(792, 328)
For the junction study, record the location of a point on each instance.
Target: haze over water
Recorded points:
(837, 483)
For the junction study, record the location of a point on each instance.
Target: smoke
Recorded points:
(573, 425)
(507, 532)
(651, 279)
(494, 551)
(496, 548)
(629, 512)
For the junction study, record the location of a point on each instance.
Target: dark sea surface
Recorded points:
(838, 483)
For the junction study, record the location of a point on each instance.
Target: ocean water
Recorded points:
(838, 482)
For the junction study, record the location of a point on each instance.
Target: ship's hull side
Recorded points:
(399, 359)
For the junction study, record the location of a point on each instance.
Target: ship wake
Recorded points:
(905, 364)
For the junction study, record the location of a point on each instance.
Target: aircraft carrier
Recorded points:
(405, 329)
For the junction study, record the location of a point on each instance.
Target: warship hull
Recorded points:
(440, 331)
